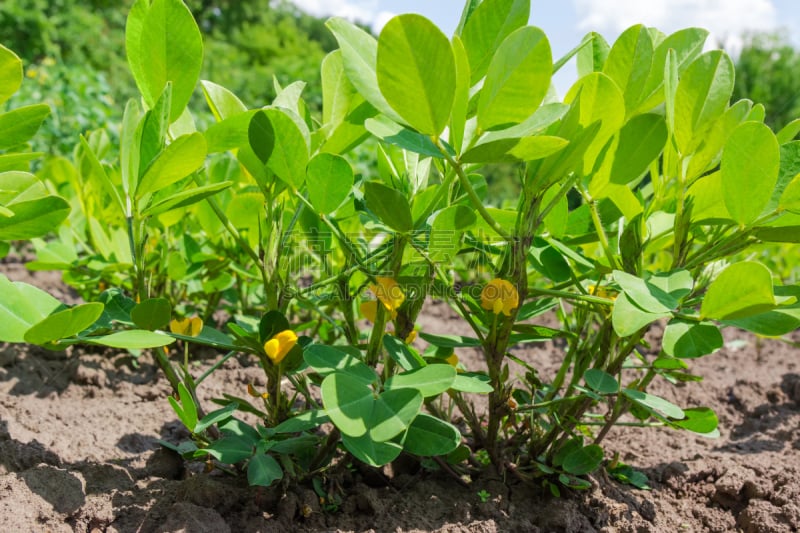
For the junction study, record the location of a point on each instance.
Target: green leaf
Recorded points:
(699, 420)
(130, 136)
(393, 133)
(231, 450)
(628, 318)
(750, 166)
(487, 27)
(708, 153)
(641, 141)
(741, 290)
(152, 314)
(214, 417)
(19, 125)
(514, 150)
(18, 162)
(330, 179)
(10, 73)
(687, 45)
(776, 323)
(188, 408)
(32, 218)
(410, 49)
(303, 422)
(222, 103)
(337, 91)
(447, 229)
(629, 62)
(392, 412)
(348, 402)
(407, 358)
(458, 115)
(517, 79)
(389, 205)
(430, 380)
(183, 156)
(263, 470)
(450, 341)
(645, 295)
(164, 44)
(472, 382)
(790, 199)
(185, 198)
(428, 436)
(370, 452)
(702, 96)
(209, 337)
(601, 381)
(583, 460)
(132, 339)
(21, 307)
(654, 403)
(688, 340)
(229, 134)
(592, 57)
(596, 98)
(787, 133)
(280, 144)
(63, 324)
(326, 360)
(99, 172)
(359, 57)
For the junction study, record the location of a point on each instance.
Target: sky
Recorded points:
(566, 21)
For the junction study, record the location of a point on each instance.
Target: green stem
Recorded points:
(598, 227)
(477, 203)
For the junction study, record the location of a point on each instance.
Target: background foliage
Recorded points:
(71, 48)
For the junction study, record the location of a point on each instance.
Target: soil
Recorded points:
(78, 452)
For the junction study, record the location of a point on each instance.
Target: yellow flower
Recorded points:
(389, 294)
(280, 345)
(191, 327)
(452, 360)
(499, 296)
(411, 337)
(602, 292)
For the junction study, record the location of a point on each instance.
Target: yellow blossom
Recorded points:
(411, 337)
(191, 327)
(389, 293)
(602, 292)
(452, 360)
(499, 296)
(280, 345)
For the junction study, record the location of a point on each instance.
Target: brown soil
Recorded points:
(78, 452)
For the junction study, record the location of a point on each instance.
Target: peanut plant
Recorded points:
(641, 192)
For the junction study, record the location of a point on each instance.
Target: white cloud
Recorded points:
(726, 19)
(364, 11)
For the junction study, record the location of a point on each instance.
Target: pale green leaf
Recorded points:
(749, 170)
(410, 49)
(517, 80)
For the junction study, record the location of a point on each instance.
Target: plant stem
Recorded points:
(473, 196)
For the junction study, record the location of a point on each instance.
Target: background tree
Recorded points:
(768, 71)
(71, 50)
